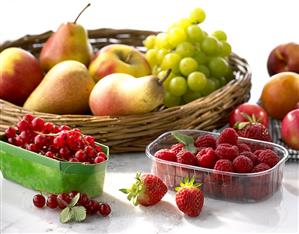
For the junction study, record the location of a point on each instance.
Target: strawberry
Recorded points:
(253, 129)
(147, 190)
(189, 198)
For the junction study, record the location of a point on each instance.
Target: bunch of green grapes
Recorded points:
(198, 61)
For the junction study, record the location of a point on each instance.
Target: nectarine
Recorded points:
(280, 94)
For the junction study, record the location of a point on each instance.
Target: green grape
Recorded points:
(196, 81)
(218, 67)
(184, 23)
(210, 46)
(230, 74)
(216, 82)
(176, 36)
(162, 74)
(195, 34)
(171, 100)
(190, 96)
(156, 69)
(162, 41)
(150, 41)
(185, 49)
(204, 69)
(178, 86)
(197, 16)
(188, 65)
(200, 57)
(161, 54)
(171, 61)
(209, 88)
(220, 35)
(151, 57)
(222, 81)
(226, 49)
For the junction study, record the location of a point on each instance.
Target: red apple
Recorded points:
(20, 74)
(283, 58)
(118, 58)
(290, 129)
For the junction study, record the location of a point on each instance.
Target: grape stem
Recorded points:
(165, 77)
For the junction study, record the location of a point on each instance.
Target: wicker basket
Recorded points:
(134, 132)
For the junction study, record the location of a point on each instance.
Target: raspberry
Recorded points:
(211, 186)
(261, 167)
(186, 157)
(257, 152)
(176, 148)
(257, 192)
(228, 135)
(269, 157)
(242, 164)
(227, 151)
(243, 147)
(252, 156)
(166, 154)
(206, 157)
(224, 165)
(205, 141)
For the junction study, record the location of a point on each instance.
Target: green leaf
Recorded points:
(74, 200)
(191, 148)
(65, 215)
(185, 139)
(78, 213)
(124, 190)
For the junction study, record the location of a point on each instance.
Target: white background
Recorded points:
(254, 27)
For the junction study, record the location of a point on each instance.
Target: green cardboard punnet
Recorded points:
(45, 174)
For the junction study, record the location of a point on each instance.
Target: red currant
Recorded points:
(39, 200)
(23, 125)
(38, 124)
(73, 194)
(83, 200)
(52, 201)
(63, 200)
(99, 159)
(10, 132)
(32, 147)
(105, 209)
(89, 140)
(80, 155)
(73, 160)
(28, 117)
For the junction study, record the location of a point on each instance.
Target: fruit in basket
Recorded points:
(123, 94)
(69, 42)
(64, 90)
(148, 190)
(280, 94)
(283, 58)
(118, 58)
(58, 142)
(189, 198)
(199, 61)
(290, 129)
(254, 111)
(20, 74)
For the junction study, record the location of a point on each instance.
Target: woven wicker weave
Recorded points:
(134, 132)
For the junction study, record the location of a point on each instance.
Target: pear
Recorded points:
(69, 42)
(123, 94)
(65, 89)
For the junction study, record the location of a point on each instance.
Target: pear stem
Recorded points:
(165, 77)
(81, 12)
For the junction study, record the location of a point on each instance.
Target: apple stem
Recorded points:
(129, 56)
(81, 12)
(165, 77)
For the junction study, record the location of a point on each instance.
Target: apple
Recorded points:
(118, 58)
(20, 74)
(290, 129)
(283, 58)
(280, 94)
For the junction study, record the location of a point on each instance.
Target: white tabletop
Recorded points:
(253, 28)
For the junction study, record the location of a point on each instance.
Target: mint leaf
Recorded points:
(78, 213)
(185, 139)
(74, 200)
(66, 215)
(188, 141)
